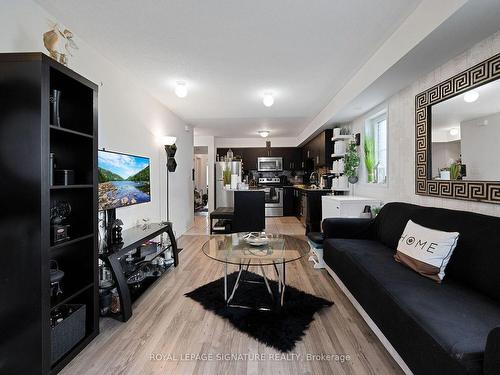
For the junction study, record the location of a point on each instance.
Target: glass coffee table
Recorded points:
(259, 250)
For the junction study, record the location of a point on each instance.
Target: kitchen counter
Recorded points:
(307, 189)
(251, 189)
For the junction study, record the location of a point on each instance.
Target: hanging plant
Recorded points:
(369, 145)
(351, 162)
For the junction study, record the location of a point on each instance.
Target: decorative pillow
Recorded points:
(426, 251)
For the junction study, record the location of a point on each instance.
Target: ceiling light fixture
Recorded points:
(268, 99)
(471, 96)
(264, 133)
(181, 89)
(454, 131)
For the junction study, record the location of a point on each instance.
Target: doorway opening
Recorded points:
(200, 162)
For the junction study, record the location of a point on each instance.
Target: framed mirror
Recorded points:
(457, 131)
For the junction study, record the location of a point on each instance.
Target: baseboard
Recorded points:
(387, 345)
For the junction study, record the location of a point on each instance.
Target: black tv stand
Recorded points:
(133, 239)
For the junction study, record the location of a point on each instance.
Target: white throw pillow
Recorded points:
(426, 251)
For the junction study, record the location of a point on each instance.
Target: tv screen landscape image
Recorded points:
(124, 180)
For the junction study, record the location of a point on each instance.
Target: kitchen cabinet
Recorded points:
(311, 209)
(319, 149)
(305, 204)
(289, 201)
(249, 155)
(292, 158)
(315, 153)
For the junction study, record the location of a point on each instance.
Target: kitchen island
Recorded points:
(247, 214)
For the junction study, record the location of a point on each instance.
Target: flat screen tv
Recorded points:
(123, 180)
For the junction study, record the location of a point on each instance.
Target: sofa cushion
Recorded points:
(476, 259)
(436, 328)
(426, 251)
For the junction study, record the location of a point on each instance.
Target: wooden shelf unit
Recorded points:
(28, 138)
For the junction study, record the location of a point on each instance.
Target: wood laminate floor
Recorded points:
(172, 334)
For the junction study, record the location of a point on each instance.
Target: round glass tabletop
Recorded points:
(255, 248)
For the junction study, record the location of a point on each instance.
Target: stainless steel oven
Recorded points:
(273, 195)
(270, 164)
(274, 201)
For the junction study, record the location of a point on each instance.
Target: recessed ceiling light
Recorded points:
(471, 96)
(181, 89)
(268, 99)
(454, 131)
(264, 133)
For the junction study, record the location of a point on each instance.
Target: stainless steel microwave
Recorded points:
(270, 164)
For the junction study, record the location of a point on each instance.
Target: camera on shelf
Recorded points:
(59, 212)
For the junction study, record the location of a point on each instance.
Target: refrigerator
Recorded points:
(223, 197)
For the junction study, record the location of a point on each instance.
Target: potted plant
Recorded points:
(454, 171)
(369, 146)
(351, 163)
(226, 175)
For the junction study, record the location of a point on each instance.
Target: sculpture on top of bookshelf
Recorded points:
(59, 43)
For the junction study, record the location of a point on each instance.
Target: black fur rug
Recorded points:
(279, 328)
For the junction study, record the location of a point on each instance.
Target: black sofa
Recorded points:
(447, 328)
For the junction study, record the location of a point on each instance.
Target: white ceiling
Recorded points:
(230, 52)
(471, 23)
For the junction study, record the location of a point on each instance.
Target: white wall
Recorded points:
(129, 118)
(480, 147)
(401, 128)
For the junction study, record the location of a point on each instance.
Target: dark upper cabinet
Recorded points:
(251, 155)
(319, 149)
(292, 158)
(315, 153)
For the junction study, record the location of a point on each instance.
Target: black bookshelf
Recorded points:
(27, 139)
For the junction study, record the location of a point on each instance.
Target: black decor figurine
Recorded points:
(58, 214)
(116, 232)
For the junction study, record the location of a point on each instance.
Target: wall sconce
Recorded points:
(168, 140)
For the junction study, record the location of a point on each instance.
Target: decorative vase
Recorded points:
(353, 179)
(370, 176)
(55, 101)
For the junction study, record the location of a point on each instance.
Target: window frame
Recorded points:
(371, 122)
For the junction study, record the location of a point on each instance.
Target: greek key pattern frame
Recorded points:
(484, 191)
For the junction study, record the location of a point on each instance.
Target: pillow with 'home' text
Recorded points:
(426, 251)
